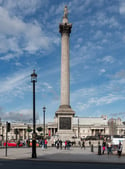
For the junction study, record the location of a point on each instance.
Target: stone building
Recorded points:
(82, 127)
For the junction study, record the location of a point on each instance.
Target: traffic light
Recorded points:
(8, 127)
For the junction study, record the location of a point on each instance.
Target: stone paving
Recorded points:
(74, 154)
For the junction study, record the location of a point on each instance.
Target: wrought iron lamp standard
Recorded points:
(34, 80)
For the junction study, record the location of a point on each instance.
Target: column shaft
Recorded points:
(65, 75)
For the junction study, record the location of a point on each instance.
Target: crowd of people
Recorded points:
(108, 145)
(105, 147)
(59, 144)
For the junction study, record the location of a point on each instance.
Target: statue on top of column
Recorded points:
(65, 12)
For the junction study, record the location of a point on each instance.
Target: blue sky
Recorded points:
(30, 39)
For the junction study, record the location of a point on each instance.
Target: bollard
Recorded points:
(92, 148)
(99, 150)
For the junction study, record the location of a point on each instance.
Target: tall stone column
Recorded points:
(65, 74)
(65, 113)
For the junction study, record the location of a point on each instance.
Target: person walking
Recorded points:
(119, 149)
(60, 144)
(89, 142)
(103, 147)
(57, 144)
(46, 143)
(83, 144)
(109, 148)
(42, 144)
(79, 143)
(65, 145)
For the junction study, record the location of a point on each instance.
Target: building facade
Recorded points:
(82, 127)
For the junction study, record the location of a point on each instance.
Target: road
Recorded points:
(52, 157)
(14, 164)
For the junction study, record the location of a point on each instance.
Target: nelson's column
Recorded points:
(65, 114)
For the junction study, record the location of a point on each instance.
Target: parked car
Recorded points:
(12, 144)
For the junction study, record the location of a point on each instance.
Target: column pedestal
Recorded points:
(64, 120)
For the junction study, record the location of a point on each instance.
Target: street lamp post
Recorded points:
(34, 80)
(78, 127)
(44, 109)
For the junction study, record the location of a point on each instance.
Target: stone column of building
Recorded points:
(23, 134)
(65, 113)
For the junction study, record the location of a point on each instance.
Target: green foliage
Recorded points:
(39, 129)
(29, 129)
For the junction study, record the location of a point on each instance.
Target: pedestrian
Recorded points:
(57, 144)
(109, 148)
(103, 147)
(46, 143)
(68, 145)
(119, 149)
(83, 144)
(18, 143)
(89, 142)
(42, 144)
(65, 145)
(60, 144)
(79, 143)
(28, 143)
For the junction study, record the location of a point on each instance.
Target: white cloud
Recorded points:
(21, 115)
(10, 25)
(123, 37)
(18, 64)
(120, 74)
(108, 59)
(98, 101)
(79, 6)
(82, 106)
(100, 95)
(98, 35)
(102, 71)
(47, 85)
(47, 88)
(18, 36)
(102, 19)
(8, 57)
(22, 6)
(15, 84)
(105, 99)
(83, 93)
(122, 7)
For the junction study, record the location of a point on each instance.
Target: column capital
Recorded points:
(65, 28)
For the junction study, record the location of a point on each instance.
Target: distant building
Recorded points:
(82, 127)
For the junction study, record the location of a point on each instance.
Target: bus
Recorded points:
(115, 140)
